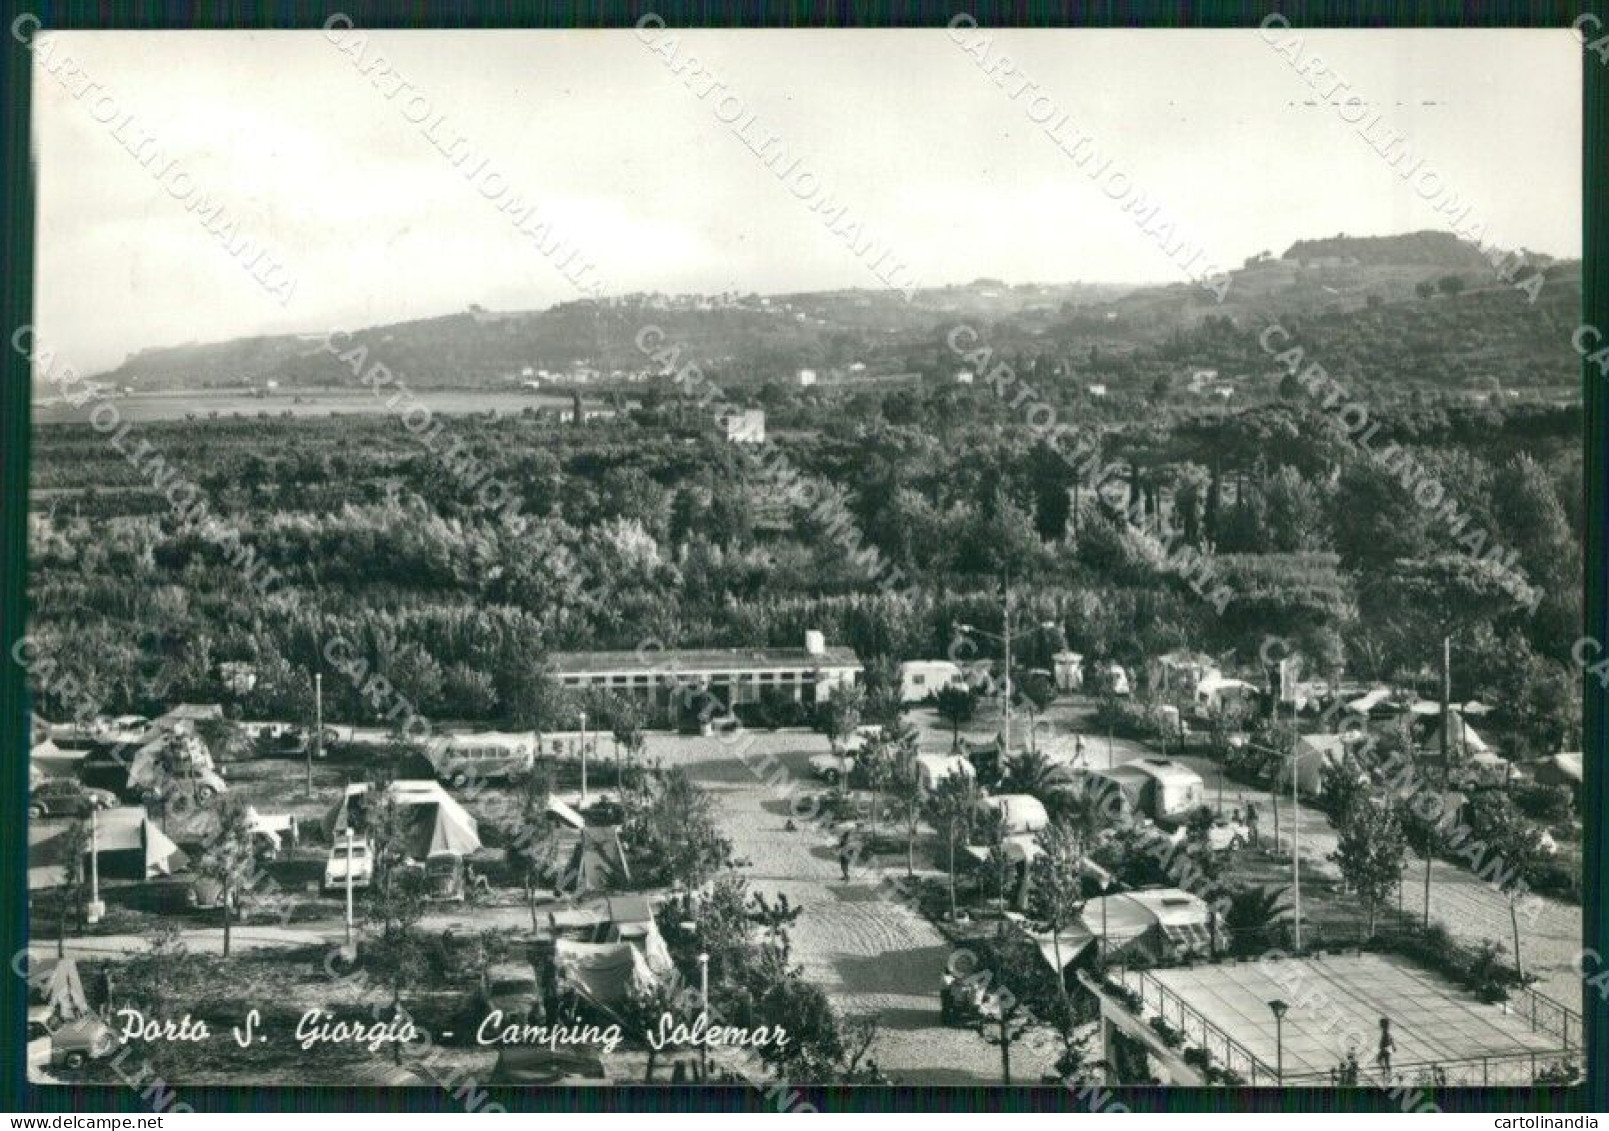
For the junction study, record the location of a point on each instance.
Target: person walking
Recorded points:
(1251, 824)
(843, 860)
(1387, 1047)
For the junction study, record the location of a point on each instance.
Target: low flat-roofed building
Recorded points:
(660, 681)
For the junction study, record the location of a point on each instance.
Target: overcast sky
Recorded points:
(940, 164)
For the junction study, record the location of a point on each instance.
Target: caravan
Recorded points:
(922, 680)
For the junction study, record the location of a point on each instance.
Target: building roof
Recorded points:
(700, 661)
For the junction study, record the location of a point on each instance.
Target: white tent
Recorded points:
(1313, 753)
(1214, 690)
(934, 769)
(437, 822)
(1019, 812)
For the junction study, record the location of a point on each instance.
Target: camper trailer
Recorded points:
(1159, 789)
(921, 680)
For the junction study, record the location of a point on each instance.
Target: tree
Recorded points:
(1250, 913)
(1016, 964)
(1515, 845)
(841, 719)
(396, 899)
(1369, 851)
(75, 843)
(953, 807)
(534, 846)
(1448, 593)
(905, 791)
(230, 860)
(1450, 285)
(955, 706)
(1039, 691)
(1027, 771)
(674, 838)
(1056, 895)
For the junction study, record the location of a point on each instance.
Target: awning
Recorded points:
(1072, 940)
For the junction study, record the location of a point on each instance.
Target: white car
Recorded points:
(362, 866)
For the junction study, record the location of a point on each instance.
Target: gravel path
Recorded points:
(873, 956)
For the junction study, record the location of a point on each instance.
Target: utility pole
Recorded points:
(583, 759)
(1296, 828)
(318, 728)
(1006, 753)
(96, 908)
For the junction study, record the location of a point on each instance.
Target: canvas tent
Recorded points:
(1019, 812)
(436, 822)
(1560, 769)
(54, 984)
(128, 842)
(598, 862)
(1070, 942)
(933, 769)
(565, 814)
(1313, 753)
(189, 714)
(606, 974)
(1120, 790)
(1181, 672)
(1462, 740)
(1069, 669)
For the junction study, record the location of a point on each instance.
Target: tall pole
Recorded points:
(704, 1006)
(94, 912)
(1296, 831)
(583, 759)
(1006, 753)
(349, 881)
(318, 728)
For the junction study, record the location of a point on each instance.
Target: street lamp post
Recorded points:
(316, 748)
(1005, 640)
(704, 1008)
(1278, 1008)
(583, 759)
(96, 908)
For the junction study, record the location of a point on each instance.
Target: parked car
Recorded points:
(64, 797)
(511, 987)
(206, 893)
(538, 1064)
(362, 865)
(75, 1043)
(207, 783)
(444, 877)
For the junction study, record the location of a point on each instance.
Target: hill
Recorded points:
(1380, 299)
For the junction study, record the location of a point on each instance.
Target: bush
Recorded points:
(1127, 718)
(1548, 803)
(1171, 1037)
(1557, 878)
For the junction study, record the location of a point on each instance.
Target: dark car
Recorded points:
(537, 1064)
(62, 797)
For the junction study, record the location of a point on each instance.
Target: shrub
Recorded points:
(1556, 878)
(1543, 802)
(1171, 1037)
